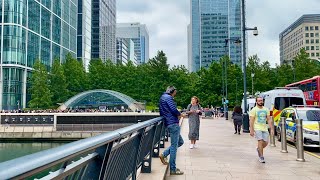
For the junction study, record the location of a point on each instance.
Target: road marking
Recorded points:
(310, 153)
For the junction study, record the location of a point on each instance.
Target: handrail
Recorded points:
(29, 165)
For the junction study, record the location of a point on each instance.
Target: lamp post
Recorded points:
(225, 102)
(244, 64)
(252, 75)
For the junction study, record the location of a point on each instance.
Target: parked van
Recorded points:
(282, 97)
(251, 103)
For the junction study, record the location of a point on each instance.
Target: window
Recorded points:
(317, 54)
(307, 28)
(312, 41)
(312, 54)
(312, 47)
(307, 41)
(311, 28)
(317, 41)
(311, 34)
(317, 34)
(307, 34)
(307, 48)
(316, 27)
(317, 47)
(283, 102)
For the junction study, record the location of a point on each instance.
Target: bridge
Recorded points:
(132, 153)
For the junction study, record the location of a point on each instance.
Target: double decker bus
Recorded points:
(310, 88)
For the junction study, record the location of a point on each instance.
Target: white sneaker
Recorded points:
(195, 146)
(191, 146)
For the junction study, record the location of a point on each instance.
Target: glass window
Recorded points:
(312, 41)
(311, 34)
(307, 28)
(312, 54)
(317, 54)
(34, 16)
(317, 41)
(307, 41)
(317, 47)
(309, 115)
(316, 27)
(317, 34)
(312, 47)
(45, 23)
(307, 48)
(311, 28)
(284, 102)
(307, 34)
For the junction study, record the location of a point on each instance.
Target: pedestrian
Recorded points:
(237, 119)
(259, 115)
(168, 110)
(194, 112)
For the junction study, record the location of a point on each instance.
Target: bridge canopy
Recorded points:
(102, 99)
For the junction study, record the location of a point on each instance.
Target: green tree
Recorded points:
(76, 76)
(58, 83)
(40, 92)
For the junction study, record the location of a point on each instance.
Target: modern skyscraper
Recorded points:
(139, 34)
(303, 33)
(32, 29)
(84, 32)
(125, 51)
(104, 30)
(212, 23)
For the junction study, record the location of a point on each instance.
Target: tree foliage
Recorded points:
(148, 81)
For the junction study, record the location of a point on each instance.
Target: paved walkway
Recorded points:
(224, 155)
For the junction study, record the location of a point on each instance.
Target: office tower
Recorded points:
(125, 51)
(103, 39)
(33, 30)
(303, 33)
(212, 24)
(139, 34)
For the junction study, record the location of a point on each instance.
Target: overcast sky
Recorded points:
(167, 22)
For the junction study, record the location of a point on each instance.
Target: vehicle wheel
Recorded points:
(278, 134)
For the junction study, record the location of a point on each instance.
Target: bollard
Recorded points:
(272, 138)
(283, 135)
(299, 140)
(246, 123)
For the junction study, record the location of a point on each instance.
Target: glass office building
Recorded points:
(30, 30)
(212, 23)
(139, 34)
(84, 32)
(103, 30)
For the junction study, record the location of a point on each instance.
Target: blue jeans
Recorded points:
(176, 141)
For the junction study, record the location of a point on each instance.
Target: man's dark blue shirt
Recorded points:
(168, 109)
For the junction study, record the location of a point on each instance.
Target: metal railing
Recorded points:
(114, 155)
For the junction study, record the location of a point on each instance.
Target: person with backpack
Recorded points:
(194, 112)
(237, 119)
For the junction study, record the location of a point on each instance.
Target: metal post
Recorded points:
(244, 64)
(272, 137)
(283, 135)
(299, 141)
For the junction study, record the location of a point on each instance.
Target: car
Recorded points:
(310, 117)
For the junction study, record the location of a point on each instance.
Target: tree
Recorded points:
(76, 76)
(58, 83)
(40, 92)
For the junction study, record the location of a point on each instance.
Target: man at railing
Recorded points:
(168, 110)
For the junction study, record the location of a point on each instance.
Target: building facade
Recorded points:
(139, 34)
(84, 32)
(303, 33)
(32, 30)
(103, 39)
(125, 51)
(212, 23)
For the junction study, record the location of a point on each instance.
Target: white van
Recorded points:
(251, 102)
(282, 97)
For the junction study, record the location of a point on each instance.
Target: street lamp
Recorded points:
(252, 75)
(237, 41)
(244, 64)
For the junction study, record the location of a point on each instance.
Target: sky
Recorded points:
(167, 22)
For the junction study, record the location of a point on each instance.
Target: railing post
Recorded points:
(162, 136)
(146, 162)
(272, 137)
(157, 140)
(283, 135)
(299, 141)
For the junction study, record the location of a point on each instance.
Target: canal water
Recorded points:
(11, 150)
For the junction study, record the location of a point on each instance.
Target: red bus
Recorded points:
(310, 88)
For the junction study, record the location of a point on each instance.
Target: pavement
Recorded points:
(223, 155)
